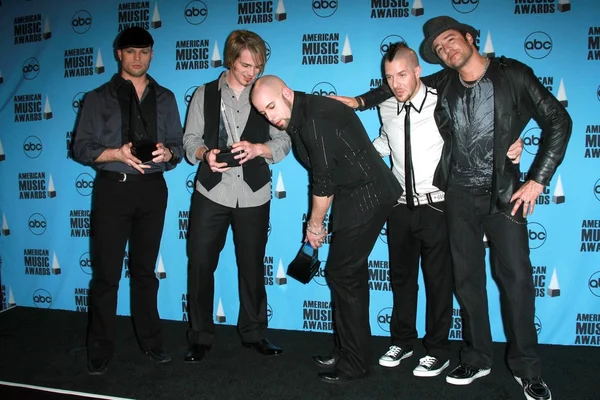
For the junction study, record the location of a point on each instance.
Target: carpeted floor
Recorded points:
(46, 348)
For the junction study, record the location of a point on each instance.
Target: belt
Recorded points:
(428, 198)
(123, 177)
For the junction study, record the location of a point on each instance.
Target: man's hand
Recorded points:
(315, 234)
(526, 196)
(249, 150)
(161, 154)
(210, 156)
(349, 101)
(515, 150)
(123, 154)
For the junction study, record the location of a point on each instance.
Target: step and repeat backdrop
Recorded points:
(54, 52)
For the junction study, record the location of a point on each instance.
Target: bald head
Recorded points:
(273, 99)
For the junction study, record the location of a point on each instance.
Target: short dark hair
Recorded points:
(394, 48)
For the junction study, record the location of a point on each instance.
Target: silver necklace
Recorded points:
(473, 84)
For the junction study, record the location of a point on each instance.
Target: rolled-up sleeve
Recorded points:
(280, 145)
(320, 143)
(193, 137)
(87, 146)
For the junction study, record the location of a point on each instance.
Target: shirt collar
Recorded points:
(417, 102)
(117, 81)
(297, 112)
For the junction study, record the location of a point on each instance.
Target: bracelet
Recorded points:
(204, 156)
(360, 102)
(313, 232)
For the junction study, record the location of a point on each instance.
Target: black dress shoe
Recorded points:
(336, 377)
(325, 361)
(264, 347)
(158, 355)
(97, 366)
(196, 352)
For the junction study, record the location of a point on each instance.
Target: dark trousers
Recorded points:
(468, 217)
(412, 235)
(123, 211)
(207, 230)
(348, 278)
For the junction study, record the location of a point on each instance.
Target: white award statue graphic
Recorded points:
(99, 63)
(156, 22)
(553, 287)
(55, 265)
(417, 8)
(5, 228)
(51, 189)
(47, 32)
(564, 5)
(347, 52)
(160, 270)
(561, 96)
(2, 155)
(47, 109)
(488, 49)
(280, 14)
(558, 197)
(11, 298)
(279, 188)
(486, 244)
(215, 60)
(281, 278)
(220, 317)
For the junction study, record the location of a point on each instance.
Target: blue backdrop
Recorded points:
(54, 52)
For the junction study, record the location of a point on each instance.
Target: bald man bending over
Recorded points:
(347, 173)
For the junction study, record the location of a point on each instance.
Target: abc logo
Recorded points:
(31, 68)
(42, 298)
(532, 140)
(594, 283)
(268, 53)
(37, 224)
(324, 8)
(77, 102)
(538, 45)
(388, 41)
(269, 229)
(324, 89)
(597, 189)
(189, 182)
(320, 277)
(537, 235)
(538, 325)
(187, 97)
(269, 312)
(465, 6)
(84, 184)
(383, 235)
(384, 318)
(195, 12)
(81, 21)
(32, 146)
(85, 263)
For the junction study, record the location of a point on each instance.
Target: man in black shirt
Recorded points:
(332, 144)
(130, 131)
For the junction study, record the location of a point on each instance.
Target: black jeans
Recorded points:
(123, 211)
(412, 235)
(208, 225)
(468, 217)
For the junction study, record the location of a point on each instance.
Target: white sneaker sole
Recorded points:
(392, 364)
(528, 397)
(431, 372)
(467, 381)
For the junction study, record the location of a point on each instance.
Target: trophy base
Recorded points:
(143, 150)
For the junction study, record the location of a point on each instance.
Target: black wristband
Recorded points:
(205, 155)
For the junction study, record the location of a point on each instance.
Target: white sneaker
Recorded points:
(430, 366)
(393, 356)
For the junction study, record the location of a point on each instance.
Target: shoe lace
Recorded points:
(394, 351)
(427, 361)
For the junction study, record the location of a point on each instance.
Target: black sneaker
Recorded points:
(430, 366)
(534, 388)
(465, 374)
(158, 355)
(393, 356)
(97, 366)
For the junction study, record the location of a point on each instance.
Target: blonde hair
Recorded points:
(241, 40)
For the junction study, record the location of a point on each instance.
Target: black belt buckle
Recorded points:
(124, 177)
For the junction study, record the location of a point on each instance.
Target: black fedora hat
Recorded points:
(134, 37)
(434, 28)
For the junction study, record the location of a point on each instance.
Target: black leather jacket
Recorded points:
(518, 97)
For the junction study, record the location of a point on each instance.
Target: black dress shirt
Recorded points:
(331, 142)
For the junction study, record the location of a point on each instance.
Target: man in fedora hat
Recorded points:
(484, 106)
(130, 194)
